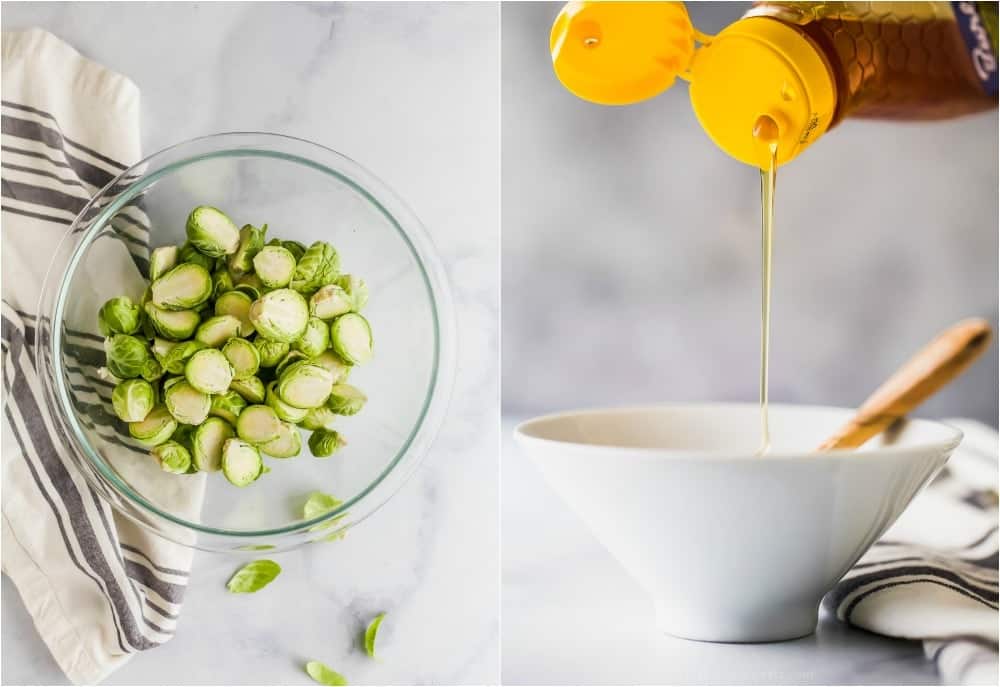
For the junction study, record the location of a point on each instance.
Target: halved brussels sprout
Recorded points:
(281, 409)
(258, 424)
(251, 389)
(172, 457)
(177, 357)
(176, 325)
(228, 406)
(222, 282)
(133, 399)
(325, 442)
(237, 304)
(287, 445)
(207, 442)
(356, 289)
(212, 232)
(249, 289)
(345, 399)
(243, 356)
(119, 316)
(161, 347)
(335, 364)
(274, 265)
(209, 371)
(351, 338)
(318, 418)
(280, 315)
(152, 370)
(185, 287)
(186, 404)
(315, 339)
(305, 385)
(293, 356)
(126, 355)
(318, 266)
(251, 241)
(162, 260)
(271, 352)
(329, 302)
(155, 428)
(241, 462)
(217, 330)
(189, 253)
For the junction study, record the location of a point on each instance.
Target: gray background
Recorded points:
(631, 248)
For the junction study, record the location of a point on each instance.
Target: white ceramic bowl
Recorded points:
(732, 547)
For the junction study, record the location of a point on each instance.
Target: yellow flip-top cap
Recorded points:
(617, 53)
(761, 66)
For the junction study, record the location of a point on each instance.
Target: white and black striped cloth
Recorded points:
(933, 576)
(98, 587)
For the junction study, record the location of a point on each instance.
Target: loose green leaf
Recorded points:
(371, 632)
(253, 577)
(319, 503)
(324, 675)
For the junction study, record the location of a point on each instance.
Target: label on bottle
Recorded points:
(978, 23)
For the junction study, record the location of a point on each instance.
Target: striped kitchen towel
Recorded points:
(933, 575)
(98, 587)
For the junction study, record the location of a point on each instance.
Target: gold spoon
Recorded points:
(931, 368)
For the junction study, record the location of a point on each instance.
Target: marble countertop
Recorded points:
(572, 615)
(410, 92)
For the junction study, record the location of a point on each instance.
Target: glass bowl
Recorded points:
(302, 191)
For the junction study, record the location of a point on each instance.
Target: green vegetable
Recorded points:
(249, 289)
(119, 316)
(335, 364)
(294, 247)
(305, 385)
(253, 577)
(318, 266)
(315, 339)
(287, 444)
(251, 241)
(133, 399)
(293, 356)
(151, 370)
(185, 287)
(189, 253)
(172, 457)
(284, 411)
(209, 371)
(156, 428)
(329, 302)
(162, 260)
(258, 424)
(175, 325)
(345, 399)
(126, 355)
(161, 348)
(251, 389)
(243, 356)
(351, 336)
(275, 266)
(212, 232)
(371, 632)
(227, 406)
(325, 442)
(280, 315)
(237, 304)
(186, 404)
(217, 330)
(356, 290)
(318, 418)
(176, 358)
(222, 282)
(241, 462)
(207, 442)
(271, 352)
(324, 675)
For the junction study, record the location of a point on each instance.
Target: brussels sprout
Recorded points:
(162, 260)
(346, 399)
(119, 316)
(170, 381)
(258, 424)
(105, 374)
(207, 442)
(251, 241)
(185, 287)
(351, 338)
(190, 254)
(176, 358)
(161, 348)
(217, 330)
(176, 325)
(325, 442)
(281, 409)
(252, 281)
(305, 385)
(251, 389)
(335, 364)
(186, 404)
(295, 248)
(237, 304)
(250, 290)
(356, 289)
(287, 445)
(291, 357)
(227, 406)
(241, 462)
(280, 315)
(318, 418)
(126, 355)
(172, 457)
(274, 266)
(271, 352)
(209, 371)
(212, 232)
(315, 339)
(156, 428)
(318, 266)
(222, 282)
(329, 302)
(152, 370)
(133, 399)
(243, 356)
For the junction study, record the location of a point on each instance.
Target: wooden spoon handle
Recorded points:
(931, 368)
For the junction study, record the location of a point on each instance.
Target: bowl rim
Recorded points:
(370, 188)
(524, 436)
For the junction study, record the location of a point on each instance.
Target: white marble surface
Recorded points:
(573, 616)
(411, 93)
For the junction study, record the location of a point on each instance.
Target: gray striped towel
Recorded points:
(933, 575)
(98, 587)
